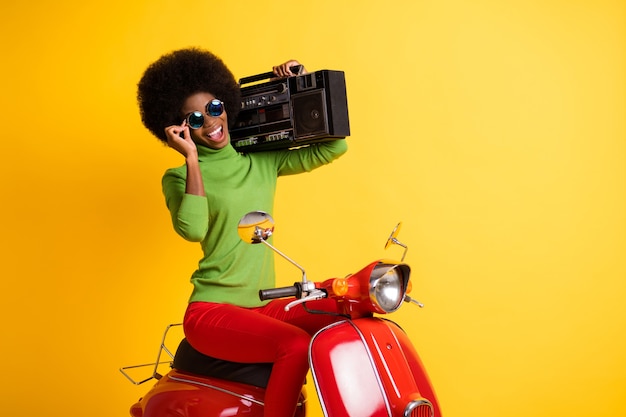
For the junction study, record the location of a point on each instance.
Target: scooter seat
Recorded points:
(188, 359)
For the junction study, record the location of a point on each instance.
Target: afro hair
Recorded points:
(169, 81)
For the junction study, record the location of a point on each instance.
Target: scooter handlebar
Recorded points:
(294, 290)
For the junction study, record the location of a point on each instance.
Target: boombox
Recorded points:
(291, 112)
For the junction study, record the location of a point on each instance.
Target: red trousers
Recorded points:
(261, 334)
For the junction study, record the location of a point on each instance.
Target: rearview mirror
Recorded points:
(255, 227)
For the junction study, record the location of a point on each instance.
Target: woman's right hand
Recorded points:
(179, 138)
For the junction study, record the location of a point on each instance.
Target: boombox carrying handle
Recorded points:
(253, 78)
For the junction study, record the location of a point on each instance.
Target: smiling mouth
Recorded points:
(216, 133)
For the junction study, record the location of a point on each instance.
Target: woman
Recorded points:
(186, 100)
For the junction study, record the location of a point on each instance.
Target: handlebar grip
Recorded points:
(282, 292)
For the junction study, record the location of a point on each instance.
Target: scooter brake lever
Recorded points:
(411, 300)
(313, 295)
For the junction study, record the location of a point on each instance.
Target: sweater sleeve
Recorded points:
(308, 158)
(189, 213)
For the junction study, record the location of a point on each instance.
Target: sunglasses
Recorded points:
(214, 108)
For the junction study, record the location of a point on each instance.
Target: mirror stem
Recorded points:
(397, 242)
(304, 280)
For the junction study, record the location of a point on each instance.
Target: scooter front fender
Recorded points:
(368, 367)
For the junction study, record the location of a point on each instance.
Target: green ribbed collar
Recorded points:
(206, 153)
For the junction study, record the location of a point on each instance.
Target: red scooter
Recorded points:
(362, 366)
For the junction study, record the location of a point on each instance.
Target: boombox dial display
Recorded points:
(292, 112)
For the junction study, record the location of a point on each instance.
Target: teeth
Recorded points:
(215, 132)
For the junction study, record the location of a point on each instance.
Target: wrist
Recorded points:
(191, 156)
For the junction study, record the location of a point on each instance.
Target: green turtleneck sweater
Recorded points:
(230, 270)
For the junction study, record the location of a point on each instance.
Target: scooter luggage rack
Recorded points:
(155, 373)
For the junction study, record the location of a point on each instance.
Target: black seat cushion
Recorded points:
(188, 359)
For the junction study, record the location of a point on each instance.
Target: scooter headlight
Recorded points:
(388, 284)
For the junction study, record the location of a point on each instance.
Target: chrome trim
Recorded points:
(416, 403)
(155, 364)
(312, 368)
(225, 391)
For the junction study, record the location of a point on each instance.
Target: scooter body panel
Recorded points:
(180, 394)
(344, 375)
(367, 367)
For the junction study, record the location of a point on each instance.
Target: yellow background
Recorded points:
(494, 130)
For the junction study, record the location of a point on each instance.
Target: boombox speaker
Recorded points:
(292, 112)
